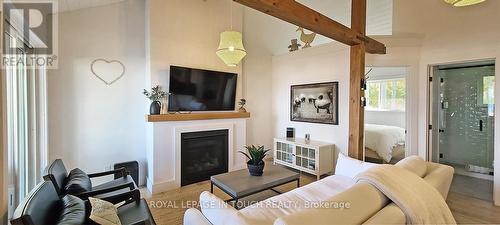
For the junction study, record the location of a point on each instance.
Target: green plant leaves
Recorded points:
(255, 154)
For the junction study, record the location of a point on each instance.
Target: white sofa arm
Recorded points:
(193, 216)
(219, 212)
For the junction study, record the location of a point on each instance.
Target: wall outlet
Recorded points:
(440, 155)
(11, 203)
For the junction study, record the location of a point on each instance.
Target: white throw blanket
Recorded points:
(382, 139)
(419, 201)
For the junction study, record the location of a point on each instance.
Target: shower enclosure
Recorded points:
(462, 112)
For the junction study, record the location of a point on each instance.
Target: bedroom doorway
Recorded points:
(462, 114)
(385, 114)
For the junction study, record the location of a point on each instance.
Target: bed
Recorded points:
(384, 144)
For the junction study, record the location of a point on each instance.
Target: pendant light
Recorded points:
(459, 3)
(231, 49)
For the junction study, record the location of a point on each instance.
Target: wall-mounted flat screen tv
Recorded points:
(201, 90)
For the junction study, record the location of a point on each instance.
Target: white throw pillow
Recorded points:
(103, 212)
(350, 167)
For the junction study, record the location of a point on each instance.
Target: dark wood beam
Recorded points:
(302, 16)
(356, 109)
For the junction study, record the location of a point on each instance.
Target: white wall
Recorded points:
(445, 34)
(257, 76)
(452, 35)
(3, 146)
(92, 125)
(322, 64)
(391, 118)
(184, 33)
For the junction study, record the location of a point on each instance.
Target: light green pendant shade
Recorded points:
(463, 2)
(231, 49)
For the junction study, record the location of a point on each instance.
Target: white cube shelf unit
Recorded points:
(313, 157)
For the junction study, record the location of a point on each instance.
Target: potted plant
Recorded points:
(155, 95)
(255, 161)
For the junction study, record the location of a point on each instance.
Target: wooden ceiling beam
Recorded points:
(305, 17)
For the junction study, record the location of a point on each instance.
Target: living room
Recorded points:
(90, 109)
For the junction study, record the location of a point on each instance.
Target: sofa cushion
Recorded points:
(414, 164)
(77, 182)
(73, 210)
(350, 167)
(362, 200)
(219, 212)
(299, 199)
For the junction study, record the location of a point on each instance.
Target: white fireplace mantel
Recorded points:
(164, 148)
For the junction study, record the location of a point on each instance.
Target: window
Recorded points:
(26, 124)
(387, 95)
(489, 90)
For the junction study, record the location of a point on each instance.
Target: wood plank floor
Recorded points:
(168, 208)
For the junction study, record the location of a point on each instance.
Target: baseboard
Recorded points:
(149, 185)
(164, 186)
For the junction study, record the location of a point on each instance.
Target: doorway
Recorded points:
(385, 114)
(462, 114)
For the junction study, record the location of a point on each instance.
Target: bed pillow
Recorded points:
(73, 210)
(414, 164)
(77, 182)
(350, 167)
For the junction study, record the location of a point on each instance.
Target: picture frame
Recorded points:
(315, 103)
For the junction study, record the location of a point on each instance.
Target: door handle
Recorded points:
(480, 125)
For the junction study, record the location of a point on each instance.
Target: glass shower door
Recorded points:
(466, 117)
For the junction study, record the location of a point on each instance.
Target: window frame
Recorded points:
(382, 93)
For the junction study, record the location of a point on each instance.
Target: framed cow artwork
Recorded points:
(315, 103)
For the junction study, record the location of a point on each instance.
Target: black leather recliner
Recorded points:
(43, 206)
(57, 174)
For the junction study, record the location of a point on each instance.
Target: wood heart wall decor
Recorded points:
(108, 71)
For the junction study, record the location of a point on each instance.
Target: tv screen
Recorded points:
(201, 90)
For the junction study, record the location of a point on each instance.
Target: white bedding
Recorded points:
(383, 139)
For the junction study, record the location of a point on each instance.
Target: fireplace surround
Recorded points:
(164, 149)
(203, 154)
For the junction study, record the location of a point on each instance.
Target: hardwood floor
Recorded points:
(169, 207)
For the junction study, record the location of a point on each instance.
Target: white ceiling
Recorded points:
(70, 5)
(378, 22)
(378, 13)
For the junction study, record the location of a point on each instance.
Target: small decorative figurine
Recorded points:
(242, 103)
(306, 38)
(294, 46)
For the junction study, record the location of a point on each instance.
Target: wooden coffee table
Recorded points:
(239, 184)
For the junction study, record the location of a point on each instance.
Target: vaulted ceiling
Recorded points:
(70, 5)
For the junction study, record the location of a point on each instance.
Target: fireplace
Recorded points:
(203, 154)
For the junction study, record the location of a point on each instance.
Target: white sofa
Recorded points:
(367, 205)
